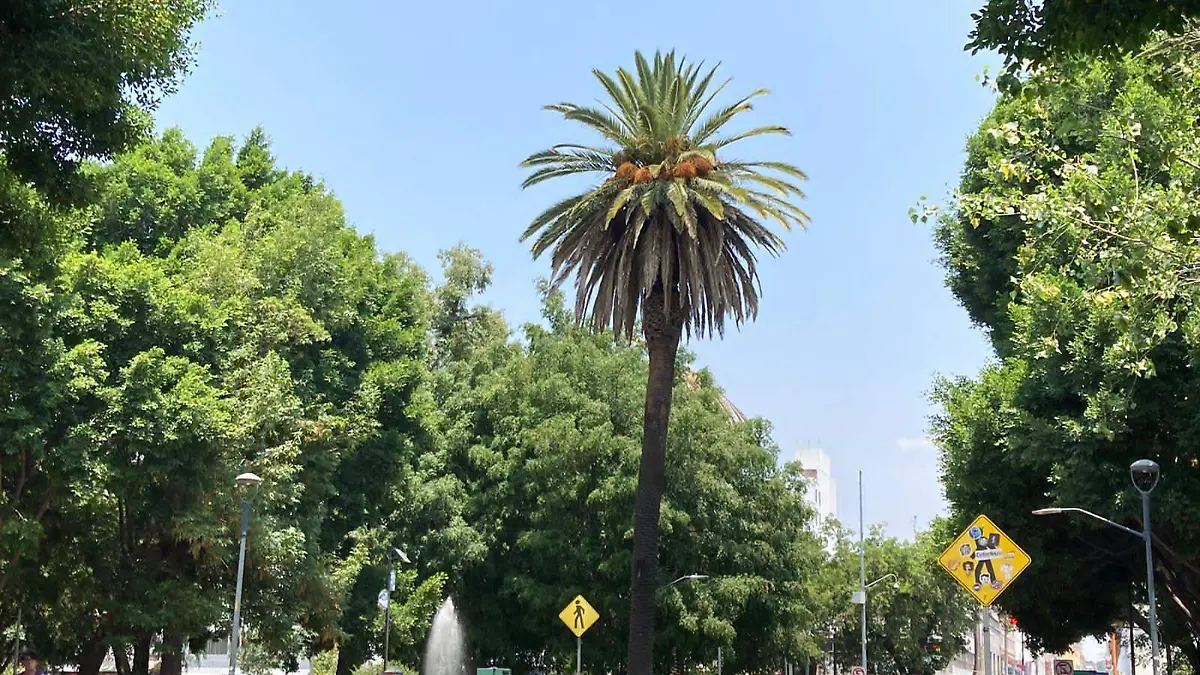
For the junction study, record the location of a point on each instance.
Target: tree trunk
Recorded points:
(91, 656)
(171, 659)
(346, 661)
(121, 659)
(141, 656)
(662, 342)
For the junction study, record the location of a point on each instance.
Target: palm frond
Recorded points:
(751, 133)
(719, 119)
(682, 220)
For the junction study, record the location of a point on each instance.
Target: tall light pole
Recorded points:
(392, 555)
(861, 597)
(248, 483)
(862, 570)
(660, 589)
(1145, 474)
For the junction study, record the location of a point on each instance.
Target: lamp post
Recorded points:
(860, 598)
(862, 570)
(1145, 474)
(660, 589)
(392, 555)
(248, 483)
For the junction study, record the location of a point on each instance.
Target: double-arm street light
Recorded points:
(1145, 474)
(248, 484)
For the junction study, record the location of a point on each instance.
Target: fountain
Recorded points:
(445, 648)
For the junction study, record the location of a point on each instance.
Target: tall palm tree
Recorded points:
(669, 236)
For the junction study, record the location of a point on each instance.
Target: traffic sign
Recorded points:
(1063, 667)
(984, 560)
(578, 616)
(858, 670)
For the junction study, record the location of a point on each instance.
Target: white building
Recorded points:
(822, 489)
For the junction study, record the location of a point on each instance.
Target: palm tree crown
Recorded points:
(671, 212)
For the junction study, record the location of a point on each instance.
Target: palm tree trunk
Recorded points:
(662, 342)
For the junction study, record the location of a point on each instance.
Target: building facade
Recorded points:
(822, 489)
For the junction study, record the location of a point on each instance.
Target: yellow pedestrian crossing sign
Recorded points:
(578, 616)
(984, 560)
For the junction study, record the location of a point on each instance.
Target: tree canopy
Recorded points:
(1073, 242)
(1041, 32)
(76, 78)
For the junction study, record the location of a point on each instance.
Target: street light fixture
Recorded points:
(686, 577)
(860, 598)
(393, 554)
(1145, 474)
(248, 484)
(895, 585)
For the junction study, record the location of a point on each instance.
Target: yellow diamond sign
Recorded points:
(578, 616)
(984, 560)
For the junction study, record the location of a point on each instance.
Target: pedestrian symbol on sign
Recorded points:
(579, 615)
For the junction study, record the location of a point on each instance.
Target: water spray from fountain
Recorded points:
(445, 648)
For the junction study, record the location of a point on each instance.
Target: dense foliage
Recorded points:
(1049, 30)
(204, 317)
(1074, 241)
(77, 76)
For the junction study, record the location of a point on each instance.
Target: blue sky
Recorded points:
(417, 115)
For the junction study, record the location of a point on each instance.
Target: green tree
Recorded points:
(916, 619)
(186, 327)
(75, 77)
(1042, 32)
(543, 438)
(1073, 241)
(667, 238)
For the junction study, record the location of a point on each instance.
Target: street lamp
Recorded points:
(248, 484)
(1145, 475)
(889, 574)
(860, 598)
(691, 577)
(392, 555)
(686, 577)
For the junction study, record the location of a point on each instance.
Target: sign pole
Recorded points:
(579, 656)
(987, 641)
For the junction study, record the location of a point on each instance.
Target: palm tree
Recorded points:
(669, 236)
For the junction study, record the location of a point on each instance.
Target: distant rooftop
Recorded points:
(736, 416)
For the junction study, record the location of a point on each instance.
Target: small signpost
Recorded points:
(578, 616)
(985, 561)
(1063, 667)
(858, 670)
